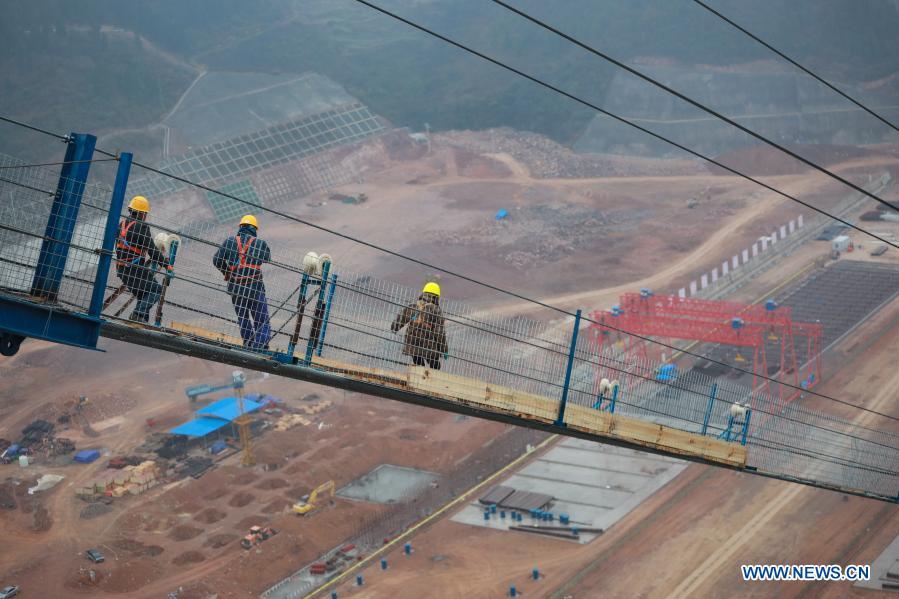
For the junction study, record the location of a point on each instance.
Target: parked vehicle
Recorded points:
(95, 556)
(7, 592)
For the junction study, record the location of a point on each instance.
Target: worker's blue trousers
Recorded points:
(251, 308)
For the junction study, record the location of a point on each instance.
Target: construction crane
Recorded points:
(194, 393)
(243, 420)
(310, 502)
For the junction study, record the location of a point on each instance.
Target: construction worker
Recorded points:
(240, 259)
(135, 252)
(425, 338)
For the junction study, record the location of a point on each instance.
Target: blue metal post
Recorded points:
(321, 337)
(319, 310)
(110, 233)
(61, 224)
(560, 421)
(745, 427)
(726, 434)
(301, 306)
(708, 412)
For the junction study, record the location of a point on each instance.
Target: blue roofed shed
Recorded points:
(215, 416)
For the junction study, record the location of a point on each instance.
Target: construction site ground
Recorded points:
(185, 534)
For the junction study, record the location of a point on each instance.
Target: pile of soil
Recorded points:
(272, 483)
(209, 516)
(137, 548)
(244, 478)
(220, 540)
(189, 557)
(95, 510)
(41, 520)
(184, 533)
(241, 499)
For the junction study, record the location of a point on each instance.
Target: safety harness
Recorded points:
(242, 261)
(129, 254)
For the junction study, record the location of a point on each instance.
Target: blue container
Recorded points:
(736, 323)
(502, 514)
(359, 581)
(770, 305)
(563, 518)
(536, 574)
(512, 591)
(547, 516)
(501, 214)
(86, 456)
(486, 515)
(334, 595)
(575, 531)
(492, 508)
(407, 548)
(383, 564)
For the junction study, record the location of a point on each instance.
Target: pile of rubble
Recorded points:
(537, 234)
(546, 159)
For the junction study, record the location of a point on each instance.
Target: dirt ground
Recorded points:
(185, 534)
(690, 538)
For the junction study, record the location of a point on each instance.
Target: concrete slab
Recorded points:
(595, 484)
(387, 484)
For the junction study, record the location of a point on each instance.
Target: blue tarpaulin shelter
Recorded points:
(501, 214)
(215, 416)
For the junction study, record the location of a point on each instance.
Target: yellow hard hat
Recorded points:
(139, 204)
(249, 219)
(432, 287)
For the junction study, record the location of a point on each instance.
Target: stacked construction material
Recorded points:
(116, 483)
(288, 421)
(319, 407)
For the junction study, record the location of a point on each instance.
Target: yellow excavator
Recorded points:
(310, 502)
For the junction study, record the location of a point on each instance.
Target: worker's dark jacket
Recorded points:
(240, 259)
(133, 246)
(425, 333)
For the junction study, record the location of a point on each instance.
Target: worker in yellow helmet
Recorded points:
(425, 340)
(240, 259)
(135, 255)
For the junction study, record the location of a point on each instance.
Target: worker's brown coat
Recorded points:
(425, 329)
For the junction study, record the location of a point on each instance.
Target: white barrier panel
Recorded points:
(792, 226)
(704, 281)
(735, 261)
(799, 221)
(764, 243)
(783, 231)
(714, 274)
(724, 268)
(745, 256)
(682, 293)
(692, 287)
(755, 249)
(773, 237)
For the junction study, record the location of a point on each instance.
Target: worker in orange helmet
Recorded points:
(240, 259)
(135, 254)
(425, 340)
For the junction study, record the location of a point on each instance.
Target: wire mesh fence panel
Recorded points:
(223, 283)
(33, 235)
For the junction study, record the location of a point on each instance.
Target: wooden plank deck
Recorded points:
(497, 398)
